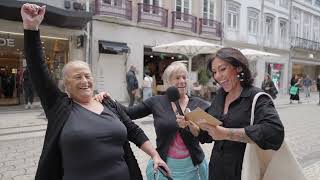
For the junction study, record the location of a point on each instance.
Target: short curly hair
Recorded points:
(236, 59)
(173, 68)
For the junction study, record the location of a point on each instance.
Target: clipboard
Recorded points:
(197, 114)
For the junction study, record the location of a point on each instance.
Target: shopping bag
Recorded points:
(294, 90)
(259, 164)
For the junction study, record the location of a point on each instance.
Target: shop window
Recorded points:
(276, 72)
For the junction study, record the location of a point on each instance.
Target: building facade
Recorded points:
(62, 39)
(261, 25)
(305, 38)
(123, 33)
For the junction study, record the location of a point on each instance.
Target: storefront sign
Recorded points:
(7, 42)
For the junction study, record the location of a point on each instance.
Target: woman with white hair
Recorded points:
(85, 139)
(179, 147)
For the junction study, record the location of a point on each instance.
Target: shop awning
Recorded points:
(109, 47)
(10, 10)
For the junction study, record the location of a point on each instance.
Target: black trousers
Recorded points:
(28, 94)
(132, 98)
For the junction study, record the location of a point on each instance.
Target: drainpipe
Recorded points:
(261, 26)
(88, 32)
(290, 44)
(222, 22)
(261, 40)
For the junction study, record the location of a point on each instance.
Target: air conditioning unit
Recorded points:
(67, 4)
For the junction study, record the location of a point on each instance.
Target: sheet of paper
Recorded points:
(199, 114)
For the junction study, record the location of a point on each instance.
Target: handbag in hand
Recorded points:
(259, 164)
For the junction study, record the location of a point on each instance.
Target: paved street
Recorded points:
(21, 137)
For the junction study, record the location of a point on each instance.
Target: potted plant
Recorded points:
(203, 79)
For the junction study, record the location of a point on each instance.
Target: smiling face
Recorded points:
(225, 74)
(79, 82)
(179, 80)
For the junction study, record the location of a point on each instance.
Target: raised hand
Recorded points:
(32, 16)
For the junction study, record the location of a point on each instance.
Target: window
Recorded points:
(113, 2)
(308, 1)
(306, 25)
(253, 21)
(208, 11)
(147, 6)
(316, 29)
(296, 25)
(233, 13)
(269, 24)
(272, 1)
(152, 2)
(284, 3)
(283, 30)
(183, 6)
(317, 3)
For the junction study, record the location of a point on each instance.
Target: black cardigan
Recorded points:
(166, 126)
(57, 107)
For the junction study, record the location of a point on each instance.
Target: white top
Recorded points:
(147, 81)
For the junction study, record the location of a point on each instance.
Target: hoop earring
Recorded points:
(240, 76)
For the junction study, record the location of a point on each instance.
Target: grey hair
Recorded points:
(173, 68)
(67, 66)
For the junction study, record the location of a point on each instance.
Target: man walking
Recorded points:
(132, 84)
(307, 83)
(318, 86)
(28, 90)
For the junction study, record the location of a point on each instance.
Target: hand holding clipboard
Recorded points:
(198, 114)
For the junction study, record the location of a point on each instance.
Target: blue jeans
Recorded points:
(147, 92)
(181, 169)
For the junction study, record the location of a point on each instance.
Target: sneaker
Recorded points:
(26, 106)
(30, 106)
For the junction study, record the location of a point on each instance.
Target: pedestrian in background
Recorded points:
(85, 139)
(294, 88)
(28, 89)
(318, 86)
(232, 106)
(132, 84)
(269, 87)
(147, 85)
(307, 83)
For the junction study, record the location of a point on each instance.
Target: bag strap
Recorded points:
(254, 102)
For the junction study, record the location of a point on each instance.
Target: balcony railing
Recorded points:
(152, 14)
(184, 21)
(114, 8)
(298, 42)
(210, 27)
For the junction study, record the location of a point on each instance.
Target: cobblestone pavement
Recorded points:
(19, 157)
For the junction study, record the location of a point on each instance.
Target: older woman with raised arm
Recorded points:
(232, 105)
(85, 139)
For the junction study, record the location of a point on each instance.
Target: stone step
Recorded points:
(10, 133)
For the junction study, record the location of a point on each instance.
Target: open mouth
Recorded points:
(84, 88)
(223, 83)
